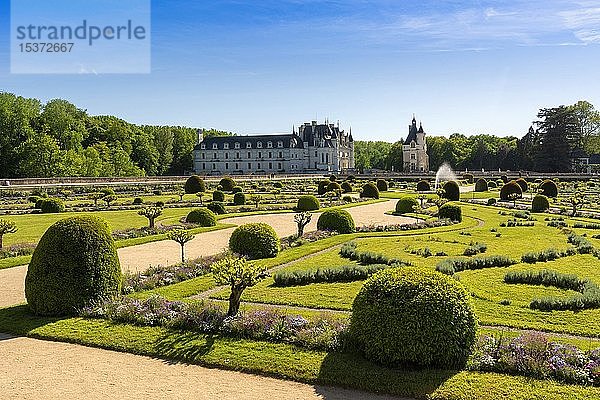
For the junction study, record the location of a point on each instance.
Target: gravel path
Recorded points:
(35, 369)
(167, 252)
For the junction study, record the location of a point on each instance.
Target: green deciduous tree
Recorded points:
(6, 227)
(180, 236)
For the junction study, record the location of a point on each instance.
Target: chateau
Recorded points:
(314, 148)
(414, 149)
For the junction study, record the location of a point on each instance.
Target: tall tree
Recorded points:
(558, 131)
(588, 125)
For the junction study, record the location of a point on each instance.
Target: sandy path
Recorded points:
(167, 252)
(35, 369)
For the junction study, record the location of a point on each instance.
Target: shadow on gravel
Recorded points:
(353, 371)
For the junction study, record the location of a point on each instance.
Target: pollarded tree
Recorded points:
(95, 196)
(180, 236)
(109, 199)
(181, 193)
(576, 200)
(151, 213)
(302, 219)
(6, 227)
(256, 199)
(238, 274)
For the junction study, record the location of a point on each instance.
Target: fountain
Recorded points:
(445, 173)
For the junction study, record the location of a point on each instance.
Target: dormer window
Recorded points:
(203, 146)
(280, 144)
(270, 145)
(226, 146)
(248, 145)
(215, 146)
(237, 145)
(412, 144)
(259, 145)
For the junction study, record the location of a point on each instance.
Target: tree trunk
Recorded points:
(182, 252)
(151, 221)
(234, 301)
(1, 241)
(300, 230)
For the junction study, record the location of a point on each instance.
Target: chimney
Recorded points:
(200, 135)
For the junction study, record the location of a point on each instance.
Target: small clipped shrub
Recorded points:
(510, 188)
(468, 177)
(452, 191)
(523, 183)
(75, 264)
(255, 241)
(217, 207)
(491, 201)
(308, 203)
(504, 179)
(382, 185)
(370, 191)
(227, 184)
(322, 188)
(332, 178)
(548, 188)
(406, 205)
(52, 205)
(452, 212)
(337, 220)
(239, 199)
(540, 203)
(107, 191)
(137, 201)
(278, 185)
(238, 189)
(423, 186)
(194, 184)
(481, 185)
(160, 204)
(413, 316)
(334, 187)
(218, 196)
(346, 187)
(202, 217)
(33, 199)
(492, 185)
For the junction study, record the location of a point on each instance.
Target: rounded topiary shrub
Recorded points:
(218, 196)
(334, 187)
(337, 220)
(492, 185)
(370, 191)
(450, 211)
(414, 316)
(194, 184)
(227, 184)
(548, 188)
(540, 203)
(322, 188)
(138, 201)
(237, 189)
(510, 188)
(74, 264)
(406, 205)
(332, 178)
(504, 178)
(481, 185)
(468, 177)
(107, 191)
(202, 217)
(308, 203)
(239, 199)
(382, 185)
(217, 207)
(423, 186)
(346, 187)
(52, 205)
(451, 191)
(255, 240)
(523, 183)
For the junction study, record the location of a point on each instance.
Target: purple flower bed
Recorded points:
(17, 250)
(160, 275)
(325, 332)
(405, 227)
(309, 237)
(533, 355)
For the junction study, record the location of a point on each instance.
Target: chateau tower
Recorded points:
(414, 149)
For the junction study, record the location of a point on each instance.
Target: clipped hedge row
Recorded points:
(349, 251)
(547, 277)
(451, 265)
(348, 273)
(546, 255)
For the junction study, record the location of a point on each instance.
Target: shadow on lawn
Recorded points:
(19, 320)
(354, 371)
(184, 346)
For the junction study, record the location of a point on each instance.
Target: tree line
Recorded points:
(556, 135)
(59, 139)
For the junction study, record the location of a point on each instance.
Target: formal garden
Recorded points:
(475, 287)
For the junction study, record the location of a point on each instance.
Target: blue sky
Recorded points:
(254, 66)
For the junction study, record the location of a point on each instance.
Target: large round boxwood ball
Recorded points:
(202, 217)
(218, 207)
(523, 183)
(481, 185)
(336, 220)
(308, 203)
(413, 316)
(239, 199)
(75, 264)
(382, 185)
(370, 191)
(450, 211)
(334, 187)
(227, 184)
(254, 240)
(406, 205)
(52, 205)
(451, 191)
(194, 185)
(218, 196)
(322, 188)
(346, 187)
(423, 186)
(540, 203)
(511, 187)
(548, 188)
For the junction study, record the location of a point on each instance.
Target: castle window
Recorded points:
(270, 165)
(270, 155)
(258, 165)
(203, 146)
(237, 166)
(281, 154)
(203, 156)
(412, 145)
(237, 145)
(215, 155)
(226, 165)
(249, 155)
(203, 165)
(280, 144)
(226, 155)
(278, 165)
(259, 145)
(226, 146)
(413, 156)
(214, 166)
(215, 146)
(237, 154)
(248, 145)
(270, 145)
(260, 154)
(249, 165)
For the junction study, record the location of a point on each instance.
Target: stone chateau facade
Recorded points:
(414, 149)
(315, 148)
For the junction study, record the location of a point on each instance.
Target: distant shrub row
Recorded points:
(475, 248)
(581, 243)
(547, 277)
(348, 273)
(451, 265)
(586, 226)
